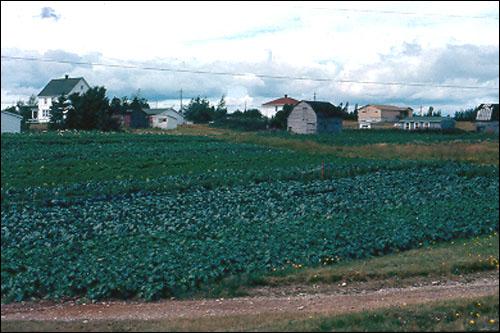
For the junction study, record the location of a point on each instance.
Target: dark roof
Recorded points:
(12, 114)
(282, 101)
(325, 109)
(58, 87)
(152, 112)
(487, 112)
(387, 107)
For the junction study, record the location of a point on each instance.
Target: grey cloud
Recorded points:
(465, 64)
(49, 13)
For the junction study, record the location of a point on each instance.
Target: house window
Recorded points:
(45, 100)
(81, 87)
(407, 125)
(416, 125)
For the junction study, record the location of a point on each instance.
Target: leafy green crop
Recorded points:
(215, 210)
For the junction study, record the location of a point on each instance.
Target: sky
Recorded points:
(435, 43)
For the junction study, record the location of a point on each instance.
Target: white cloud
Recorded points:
(313, 39)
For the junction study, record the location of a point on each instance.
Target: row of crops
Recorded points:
(351, 137)
(220, 209)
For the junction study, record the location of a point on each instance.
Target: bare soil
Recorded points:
(337, 299)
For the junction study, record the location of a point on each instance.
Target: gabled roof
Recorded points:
(58, 87)
(387, 107)
(12, 114)
(325, 109)
(487, 112)
(282, 101)
(152, 112)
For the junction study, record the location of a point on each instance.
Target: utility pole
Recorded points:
(314, 98)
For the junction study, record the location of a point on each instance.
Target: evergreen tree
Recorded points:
(58, 112)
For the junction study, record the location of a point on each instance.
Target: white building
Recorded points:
(11, 122)
(272, 107)
(164, 118)
(53, 90)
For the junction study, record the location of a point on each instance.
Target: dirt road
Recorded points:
(321, 303)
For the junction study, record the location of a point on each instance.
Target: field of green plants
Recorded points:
(350, 137)
(128, 215)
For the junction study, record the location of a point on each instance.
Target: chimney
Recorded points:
(66, 76)
(286, 96)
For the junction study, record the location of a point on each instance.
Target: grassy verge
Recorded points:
(444, 260)
(476, 314)
(412, 146)
(457, 315)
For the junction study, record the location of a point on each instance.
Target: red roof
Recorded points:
(282, 101)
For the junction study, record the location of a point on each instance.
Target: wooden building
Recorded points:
(487, 118)
(311, 117)
(11, 122)
(373, 116)
(426, 123)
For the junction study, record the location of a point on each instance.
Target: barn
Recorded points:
(487, 118)
(312, 117)
(11, 122)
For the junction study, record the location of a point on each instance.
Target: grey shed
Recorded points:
(311, 117)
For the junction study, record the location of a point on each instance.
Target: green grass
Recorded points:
(475, 314)
(460, 256)
(479, 314)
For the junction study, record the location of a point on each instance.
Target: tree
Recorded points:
(279, 120)
(58, 111)
(466, 115)
(429, 111)
(199, 110)
(90, 111)
(221, 110)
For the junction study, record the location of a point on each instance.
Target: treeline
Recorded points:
(91, 110)
(199, 111)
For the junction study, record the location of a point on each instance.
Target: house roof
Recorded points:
(387, 107)
(326, 109)
(487, 112)
(282, 101)
(12, 114)
(424, 119)
(152, 112)
(58, 87)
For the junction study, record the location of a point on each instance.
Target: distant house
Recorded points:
(271, 107)
(55, 88)
(311, 117)
(161, 118)
(426, 123)
(166, 118)
(11, 122)
(487, 118)
(372, 116)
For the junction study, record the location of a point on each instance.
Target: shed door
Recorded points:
(311, 128)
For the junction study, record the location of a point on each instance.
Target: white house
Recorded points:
(164, 118)
(272, 107)
(52, 91)
(11, 122)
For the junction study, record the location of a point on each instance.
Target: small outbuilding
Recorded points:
(487, 118)
(426, 123)
(11, 122)
(311, 117)
(165, 118)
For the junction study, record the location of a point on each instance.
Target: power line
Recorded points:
(264, 76)
(394, 12)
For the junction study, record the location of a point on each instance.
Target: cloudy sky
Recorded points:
(436, 43)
